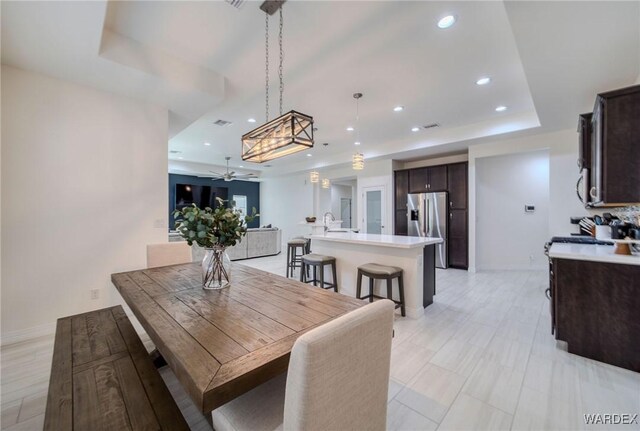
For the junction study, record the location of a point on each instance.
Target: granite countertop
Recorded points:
(395, 241)
(591, 252)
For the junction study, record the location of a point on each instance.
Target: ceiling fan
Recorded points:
(230, 176)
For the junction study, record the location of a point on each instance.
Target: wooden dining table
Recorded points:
(222, 343)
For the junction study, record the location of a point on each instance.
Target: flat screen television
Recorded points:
(202, 196)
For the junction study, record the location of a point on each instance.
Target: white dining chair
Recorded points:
(338, 379)
(168, 253)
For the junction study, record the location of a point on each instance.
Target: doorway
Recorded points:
(345, 212)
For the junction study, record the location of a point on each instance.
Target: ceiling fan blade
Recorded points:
(217, 174)
(246, 176)
(231, 173)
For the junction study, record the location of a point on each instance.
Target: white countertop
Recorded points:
(377, 240)
(591, 252)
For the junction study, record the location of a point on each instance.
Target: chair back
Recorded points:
(338, 375)
(168, 253)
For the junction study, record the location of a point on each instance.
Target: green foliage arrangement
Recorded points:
(209, 228)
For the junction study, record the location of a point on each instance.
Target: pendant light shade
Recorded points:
(358, 162)
(326, 183)
(287, 134)
(314, 176)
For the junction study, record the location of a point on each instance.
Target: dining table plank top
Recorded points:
(223, 343)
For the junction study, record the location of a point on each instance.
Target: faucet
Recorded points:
(324, 218)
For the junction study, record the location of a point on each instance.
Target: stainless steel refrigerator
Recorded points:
(427, 216)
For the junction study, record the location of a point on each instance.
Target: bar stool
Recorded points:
(294, 260)
(381, 272)
(307, 249)
(318, 261)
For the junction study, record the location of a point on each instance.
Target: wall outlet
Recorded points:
(95, 293)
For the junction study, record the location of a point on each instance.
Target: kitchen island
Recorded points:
(415, 255)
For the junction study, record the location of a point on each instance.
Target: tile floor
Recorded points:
(482, 357)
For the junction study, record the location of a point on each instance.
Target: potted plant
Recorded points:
(214, 230)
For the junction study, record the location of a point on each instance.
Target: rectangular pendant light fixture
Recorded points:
(314, 176)
(326, 183)
(285, 135)
(358, 162)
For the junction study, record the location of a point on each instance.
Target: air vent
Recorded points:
(174, 152)
(236, 3)
(431, 126)
(222, 122)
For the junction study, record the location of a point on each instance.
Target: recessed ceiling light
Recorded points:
(180, 158)
(483, 81)
(501, 108)
(350, 129)
(415, 129)
(251, 120)
(356, 143)
(207, 143)
(240, 166)
(308, 154)
(398, 109)
(447, 21)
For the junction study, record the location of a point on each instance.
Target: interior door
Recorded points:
(374, 209)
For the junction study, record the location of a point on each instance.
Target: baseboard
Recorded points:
(27, 334)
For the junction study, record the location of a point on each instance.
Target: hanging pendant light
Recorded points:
(314, 176)
(326, 183)
(290, 132)
(357, 161)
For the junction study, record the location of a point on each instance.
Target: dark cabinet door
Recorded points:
(402, 188)
(401, 222)
(458, 240)
(457, 183)
(437, 179)
(418, 180)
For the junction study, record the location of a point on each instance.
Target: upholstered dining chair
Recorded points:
(338, 379)
(168, 253)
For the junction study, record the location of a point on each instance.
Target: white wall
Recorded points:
(507, 236)
(84, 189)
(563, 173)
(285, 202)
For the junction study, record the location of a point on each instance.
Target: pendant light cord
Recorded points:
(281, 60)
(266, 65)
(358, 119)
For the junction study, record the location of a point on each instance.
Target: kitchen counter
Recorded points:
(415, 255)
(592, 253)
(394, 241)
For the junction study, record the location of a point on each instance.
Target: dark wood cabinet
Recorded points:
(458, 185)
(458, 239)
(595, 310)
(614, 166)
(437, 178)
(418, 180)
(402, 189)
(430, 179)
(401, 222)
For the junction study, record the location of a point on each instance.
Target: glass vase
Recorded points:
(216, 269)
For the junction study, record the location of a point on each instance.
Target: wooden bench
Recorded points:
(102, 378)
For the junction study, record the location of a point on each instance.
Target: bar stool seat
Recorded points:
(375, 271)
(319, 261)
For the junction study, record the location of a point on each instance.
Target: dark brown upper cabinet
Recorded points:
(430, 179)
(457, 182)
(615, 149)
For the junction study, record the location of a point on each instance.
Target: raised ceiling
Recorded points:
(205, 62)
